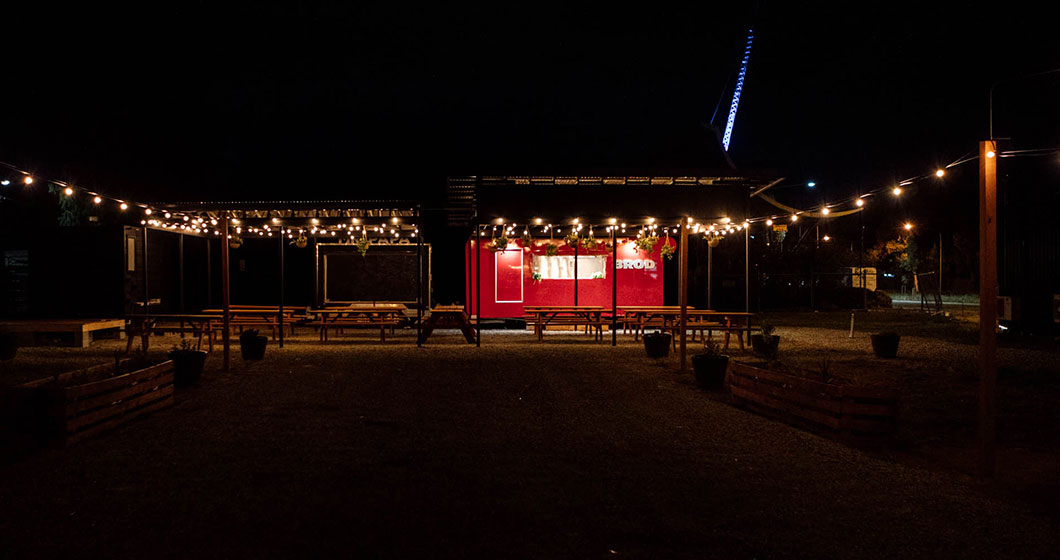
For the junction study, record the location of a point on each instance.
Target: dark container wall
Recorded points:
(75, 272)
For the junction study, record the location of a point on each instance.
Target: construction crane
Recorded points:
(737, 90)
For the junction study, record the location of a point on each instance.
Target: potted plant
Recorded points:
(8, 346)
(551, 250)
(187, 363)
(885, 344)
(252, 345)
(765, 344)
(710, 366)
(657, 344)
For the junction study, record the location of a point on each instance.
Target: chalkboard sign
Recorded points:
(385, 273)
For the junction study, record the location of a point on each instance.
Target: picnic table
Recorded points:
(448, 316)
(590, 316)
(144, 324)
(706, 321)
(636, 317)
(260, 316)
(384, 316)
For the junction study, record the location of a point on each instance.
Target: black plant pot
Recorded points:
(657, 344)
(253, 347)
(765, 349)
(187, 366)
(885, 345)
(710, 370)
(8, 346)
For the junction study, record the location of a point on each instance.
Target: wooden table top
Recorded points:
(177, 316)
(359, 309)
(447, 309)
(555, 308)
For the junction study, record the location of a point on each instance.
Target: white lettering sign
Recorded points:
(635, 264)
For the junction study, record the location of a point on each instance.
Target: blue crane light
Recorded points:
(736, 92)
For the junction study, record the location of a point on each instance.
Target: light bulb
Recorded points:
(825, 211)
(860, 202)
(940, 173)
(896, 191)
(124, 206)
(97, 200)
(28, 180)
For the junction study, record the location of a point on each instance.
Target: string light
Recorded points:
(794, 217)
(897, 191)
(5, 182)
(859, 202)
(825, 211)
(940, 173)
(826, 238)
(908, 226)
(68, 191)
(768, 223)
(124, 206)
(97, 200)
(28, 180)
(989, 154)
(147, 211)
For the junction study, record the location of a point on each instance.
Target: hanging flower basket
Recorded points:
(499, 243)
(571, 239)
(300, 241)
(647, 243)
(551, 249)
(362, 245)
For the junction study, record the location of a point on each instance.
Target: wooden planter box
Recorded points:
(847, 410)
(63, 408)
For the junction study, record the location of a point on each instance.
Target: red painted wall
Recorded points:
(639, 284)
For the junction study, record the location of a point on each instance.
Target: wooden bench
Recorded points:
(82, 330)
(339, 323)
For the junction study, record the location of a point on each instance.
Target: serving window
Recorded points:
(561, 267)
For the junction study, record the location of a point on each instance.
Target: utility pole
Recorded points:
(987, 307)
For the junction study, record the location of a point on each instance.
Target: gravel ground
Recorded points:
(566, 449)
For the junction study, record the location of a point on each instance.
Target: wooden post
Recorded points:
(747, 278)
(209, 275)
(180, 272)
(279, 315)
(226, 302)
(987, 307)
(478, 285)
(682, 290)
(710, 273)
(614, 285)
(576, 275)
(147, 299)
(419, 277)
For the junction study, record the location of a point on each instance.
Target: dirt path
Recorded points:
(567, 449)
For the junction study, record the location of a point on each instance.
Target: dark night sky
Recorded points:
(191, 101)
